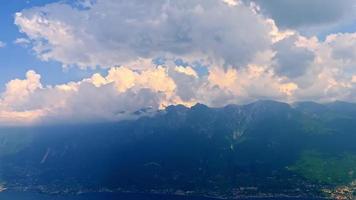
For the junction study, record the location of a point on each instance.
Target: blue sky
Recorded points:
(163, 52)
(16, 60)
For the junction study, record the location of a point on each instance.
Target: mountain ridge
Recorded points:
(274, 147)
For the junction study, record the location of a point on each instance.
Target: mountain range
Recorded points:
(265, 148)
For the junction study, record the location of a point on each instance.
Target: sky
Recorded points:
(102, 60)
(15, 60)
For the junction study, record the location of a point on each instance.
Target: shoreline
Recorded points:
(172, 194)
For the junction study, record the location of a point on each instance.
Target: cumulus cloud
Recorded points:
(343, 46)
(111, 32)
(13, 100)
(18, 90)
(99, 98)
(291, 60)
(126, 93)
(159, 53)
(123, 92)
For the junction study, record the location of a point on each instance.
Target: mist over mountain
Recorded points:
(265, 147)
(136, 99)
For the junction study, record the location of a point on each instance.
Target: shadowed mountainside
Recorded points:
(264, 147)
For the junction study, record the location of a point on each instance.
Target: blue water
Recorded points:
(107, 196)
(93, 196)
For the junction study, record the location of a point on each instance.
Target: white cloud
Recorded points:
(232, 2)
(115, 96)
(110, 32)
(22, 41)
(17, 91)
(247, 57)
(2, 44)
(123, 91)
(343, 46)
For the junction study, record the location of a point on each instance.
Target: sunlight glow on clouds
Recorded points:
(124, 91)
(247, 49)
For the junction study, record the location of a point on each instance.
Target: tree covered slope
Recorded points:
(263, 148)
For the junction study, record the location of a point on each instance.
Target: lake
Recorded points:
(93, 196)
(107, 196)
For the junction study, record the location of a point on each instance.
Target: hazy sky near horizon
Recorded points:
(102, 60)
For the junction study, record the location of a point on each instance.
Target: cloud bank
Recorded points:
(163, 52)
(111, 32)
